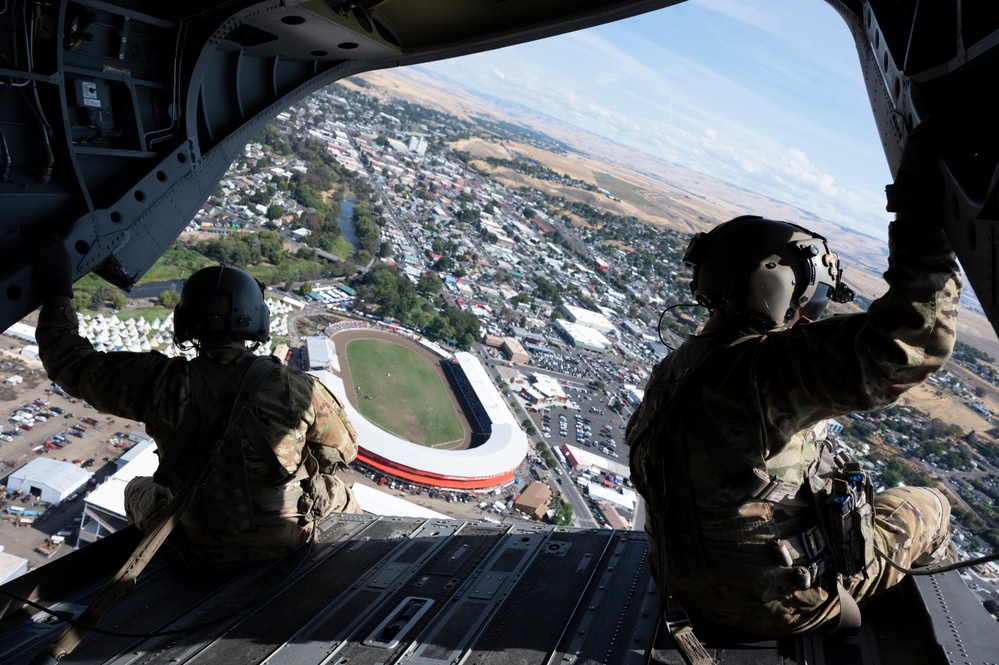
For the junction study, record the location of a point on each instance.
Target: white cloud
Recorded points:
(756, 95)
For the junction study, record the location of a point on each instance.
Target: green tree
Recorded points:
(270, 246)
(428, 284)
(118, 299)
(546, 454)
(169, 299)
(562, 511)
(440, 330)
(547, 291)
(306, 254)
(387, 290)
(100, 296)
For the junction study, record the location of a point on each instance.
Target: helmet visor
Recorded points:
(814, 308)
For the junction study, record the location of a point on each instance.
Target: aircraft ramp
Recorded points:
(376, 590)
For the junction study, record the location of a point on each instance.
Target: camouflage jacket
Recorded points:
(764, 397)
(300, 418)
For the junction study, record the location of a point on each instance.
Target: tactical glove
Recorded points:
(918, 187)
(51, 267)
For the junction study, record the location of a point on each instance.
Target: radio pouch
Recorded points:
(849, 512)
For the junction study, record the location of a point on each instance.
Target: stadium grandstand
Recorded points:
(498, 445)
(474, 411)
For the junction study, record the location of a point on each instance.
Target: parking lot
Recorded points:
(55, 426)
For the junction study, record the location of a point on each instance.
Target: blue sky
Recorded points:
(765, 94)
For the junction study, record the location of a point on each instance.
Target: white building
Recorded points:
(546, 391)
(582, 337)
(49, 480)
(21, 331)
(588, 318)
(625, 498)
(634, 395)
(418, 144)
(11, 566)
(377, 502)
(321, 352)
(104, 508)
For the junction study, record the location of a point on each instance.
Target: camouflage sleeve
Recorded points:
(118, 383)
(866, 361)
(331, 436)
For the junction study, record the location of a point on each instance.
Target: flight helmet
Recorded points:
(221, 304)
(764, 271)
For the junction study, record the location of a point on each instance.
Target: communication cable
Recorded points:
(938, 568)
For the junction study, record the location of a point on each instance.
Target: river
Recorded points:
(346, 220)
(154, 289)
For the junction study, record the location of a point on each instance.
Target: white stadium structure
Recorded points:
(489, 464)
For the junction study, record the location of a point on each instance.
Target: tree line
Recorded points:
(386, 292)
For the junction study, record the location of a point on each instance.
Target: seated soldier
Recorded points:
(276, 472)
(752, 522)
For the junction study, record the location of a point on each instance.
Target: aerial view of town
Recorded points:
(533, 268)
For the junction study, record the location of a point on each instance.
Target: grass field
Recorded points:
(407, 396)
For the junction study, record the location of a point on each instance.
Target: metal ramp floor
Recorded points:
(373, 591)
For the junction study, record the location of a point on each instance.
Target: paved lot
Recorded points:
(29, 445)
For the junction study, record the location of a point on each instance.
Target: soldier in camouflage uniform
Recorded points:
(728, 447)
(299, 418)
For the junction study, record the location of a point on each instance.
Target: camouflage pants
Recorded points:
(911, 527)
(197, 549)
(146, 500)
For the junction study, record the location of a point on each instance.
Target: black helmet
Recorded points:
(221, 304)
(764, 271)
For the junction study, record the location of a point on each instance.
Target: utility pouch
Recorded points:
(849, 513)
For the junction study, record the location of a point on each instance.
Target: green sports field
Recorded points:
(406, 395)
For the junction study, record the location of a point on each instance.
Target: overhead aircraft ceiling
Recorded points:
(120, 117)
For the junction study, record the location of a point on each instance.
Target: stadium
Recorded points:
(493, 445)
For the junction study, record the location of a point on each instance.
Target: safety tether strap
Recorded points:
(671, 613)
(849, 611)
(70, 638)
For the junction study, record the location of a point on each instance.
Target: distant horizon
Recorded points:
(514, 108)
(766, 96)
